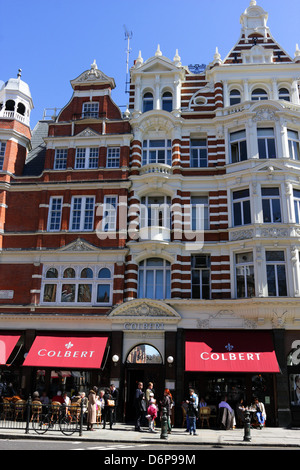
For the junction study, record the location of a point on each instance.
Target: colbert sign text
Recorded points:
(67, 352)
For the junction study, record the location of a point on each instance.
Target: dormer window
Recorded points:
(90, 110)
(235, 97)
(167, 101)
(259, 94)
(284, 94)
(147, 102)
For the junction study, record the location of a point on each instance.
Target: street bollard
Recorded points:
(164, 424)
(247, 433)
(28, 412)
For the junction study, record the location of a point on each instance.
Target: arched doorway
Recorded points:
(144, 363)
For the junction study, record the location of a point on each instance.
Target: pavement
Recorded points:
(124, 433)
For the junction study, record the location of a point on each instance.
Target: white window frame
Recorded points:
(270, 198)
(294, 144)
(86, 158)
(2, 154)
(90, 109)
(199, 211)
(60, 158)
(83, 213)
(95, 281)
(150, 151)
(110, 209)
(201, 269)
(113, 157)
(201, 153)
(55, 214)
(276, 264)
(296, 205)
(245, 267)
(235, 139)
(259, 96)
(266, 138)
(166, 286)
(241, 201)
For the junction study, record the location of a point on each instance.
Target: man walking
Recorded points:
(140, 406)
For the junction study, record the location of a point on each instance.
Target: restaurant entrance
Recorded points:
(143, 364)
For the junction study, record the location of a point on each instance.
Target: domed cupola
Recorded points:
(15, 100)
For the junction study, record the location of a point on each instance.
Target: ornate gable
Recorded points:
(93, 76)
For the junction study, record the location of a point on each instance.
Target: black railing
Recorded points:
(33, 415)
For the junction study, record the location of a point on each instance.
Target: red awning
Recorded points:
(66, 352)
(7, 344)
(232, 351)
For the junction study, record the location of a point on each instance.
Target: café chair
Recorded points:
(204, 415)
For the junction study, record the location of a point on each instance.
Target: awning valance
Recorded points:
(7, 344)
(230, 351)
(67, 352)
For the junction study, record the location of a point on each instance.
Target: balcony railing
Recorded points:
(14, 115)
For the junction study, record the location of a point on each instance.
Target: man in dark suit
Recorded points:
(140, 406)
(115, 396)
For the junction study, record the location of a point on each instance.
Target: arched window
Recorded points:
(144, 354)
(235, 97)
(10, 105)
(284, 94)
(154, 279)
(167, 101)
(104, 273)
(21, 109)
(86, 273)
(259, 94)
(69, 273)
(147, 102)
(52, 273)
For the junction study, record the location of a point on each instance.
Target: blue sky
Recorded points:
(54, 41)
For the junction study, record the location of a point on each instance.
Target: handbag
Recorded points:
(110, 402)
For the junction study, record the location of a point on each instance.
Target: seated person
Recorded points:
(226, 414)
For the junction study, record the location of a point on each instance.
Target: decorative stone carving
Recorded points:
(265, 114)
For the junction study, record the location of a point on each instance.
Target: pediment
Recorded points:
(88, 132)
(94, 75)
(78, 245)
(144, 308)
(156, 65)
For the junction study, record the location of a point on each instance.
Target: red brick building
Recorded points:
(162, 229)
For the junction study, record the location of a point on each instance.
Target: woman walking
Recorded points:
(167, 403)
(92, 409)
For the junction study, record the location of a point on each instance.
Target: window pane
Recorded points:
(87, 273)
(103, 293)
(141, 284)
(262, 151)
(68, 293)
(275, 256)
(241, 194)
(69, 273)
(282, 289)
(266, 211)
(271, 280)
(52, 273)
(237, 214)
(104, 273)
(84, 293)
(276, 212)
(271, 148)
(247, 212)
(49, 293)
(159, 284)
(150, 284)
